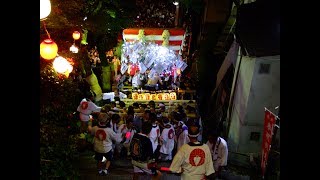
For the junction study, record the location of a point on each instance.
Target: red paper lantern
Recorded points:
(76, 35)
(48, 49)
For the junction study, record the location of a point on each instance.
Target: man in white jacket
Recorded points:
(193, 159)
(86, 108)
(219, 151)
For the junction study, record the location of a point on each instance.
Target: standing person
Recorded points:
(194, 159)
(136, 80)
(182, 137)
(219, 151)
(92, 80)
(167, 139)
(130, 132)
(85, 109)
(142, 154)
(153, 82)
(154, 135)
(102, 142)
(114, 125)
(107, 74)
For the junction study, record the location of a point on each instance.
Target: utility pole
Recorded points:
(176, 20)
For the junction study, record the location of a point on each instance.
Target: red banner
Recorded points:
(269, 122)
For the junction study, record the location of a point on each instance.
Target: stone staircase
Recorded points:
(120, 169)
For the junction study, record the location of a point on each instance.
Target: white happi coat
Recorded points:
(103, 139)
(167, 137)
(219, 153)
(195, 162)
(154, 136)
(86, 107)
(182, 137)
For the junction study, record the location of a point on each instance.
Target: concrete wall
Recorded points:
(264, 92)
(242, 90)
(253, 92)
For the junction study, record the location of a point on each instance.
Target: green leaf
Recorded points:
(98, 8)
(78, 124)
(112, 13)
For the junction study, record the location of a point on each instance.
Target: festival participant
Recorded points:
(219, 151)
(102, 143)
(154, 134)
(142, 154)
(167, 140)
(130, 131)
(182, 135)
(194, 159)
(153, 82)
(107, 72)
(86, 108)
(92, 80)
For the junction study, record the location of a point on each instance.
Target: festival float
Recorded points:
(153, 55)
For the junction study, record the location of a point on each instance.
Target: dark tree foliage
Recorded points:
(60, 95)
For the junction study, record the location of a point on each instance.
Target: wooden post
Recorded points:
(176, 21)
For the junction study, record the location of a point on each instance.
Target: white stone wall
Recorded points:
(253, 92)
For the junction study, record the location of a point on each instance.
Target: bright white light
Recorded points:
(74, 49)
(85, 18)
(176, 3)
(45, 8)
(61, 65)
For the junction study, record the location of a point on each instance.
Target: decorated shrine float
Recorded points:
(150, 52)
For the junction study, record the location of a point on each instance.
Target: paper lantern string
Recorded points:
(45, 28)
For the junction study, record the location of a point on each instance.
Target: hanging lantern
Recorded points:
(173, 96)
(48, 49)
(135, 96)
(153, 97)
(76, 35)
(147, 96)
(74, 49)
(62, 66)
(159, 96)
(45, 8)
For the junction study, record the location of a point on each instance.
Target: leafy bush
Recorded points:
(58, 128)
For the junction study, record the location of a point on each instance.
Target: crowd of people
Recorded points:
(145, 135)
(156, 14)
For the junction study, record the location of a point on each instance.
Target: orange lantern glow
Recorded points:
(159, 96)
(135, 96)
(166, 96)
(173, 96)
(76, 35)
(153, 96)
(48, 49)
(141, 96)
(147, 96)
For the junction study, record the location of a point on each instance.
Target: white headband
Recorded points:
(196, 135)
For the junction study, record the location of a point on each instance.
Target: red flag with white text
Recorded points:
(269, 122)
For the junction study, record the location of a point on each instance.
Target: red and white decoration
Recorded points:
(269, 123)
(176, 38)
